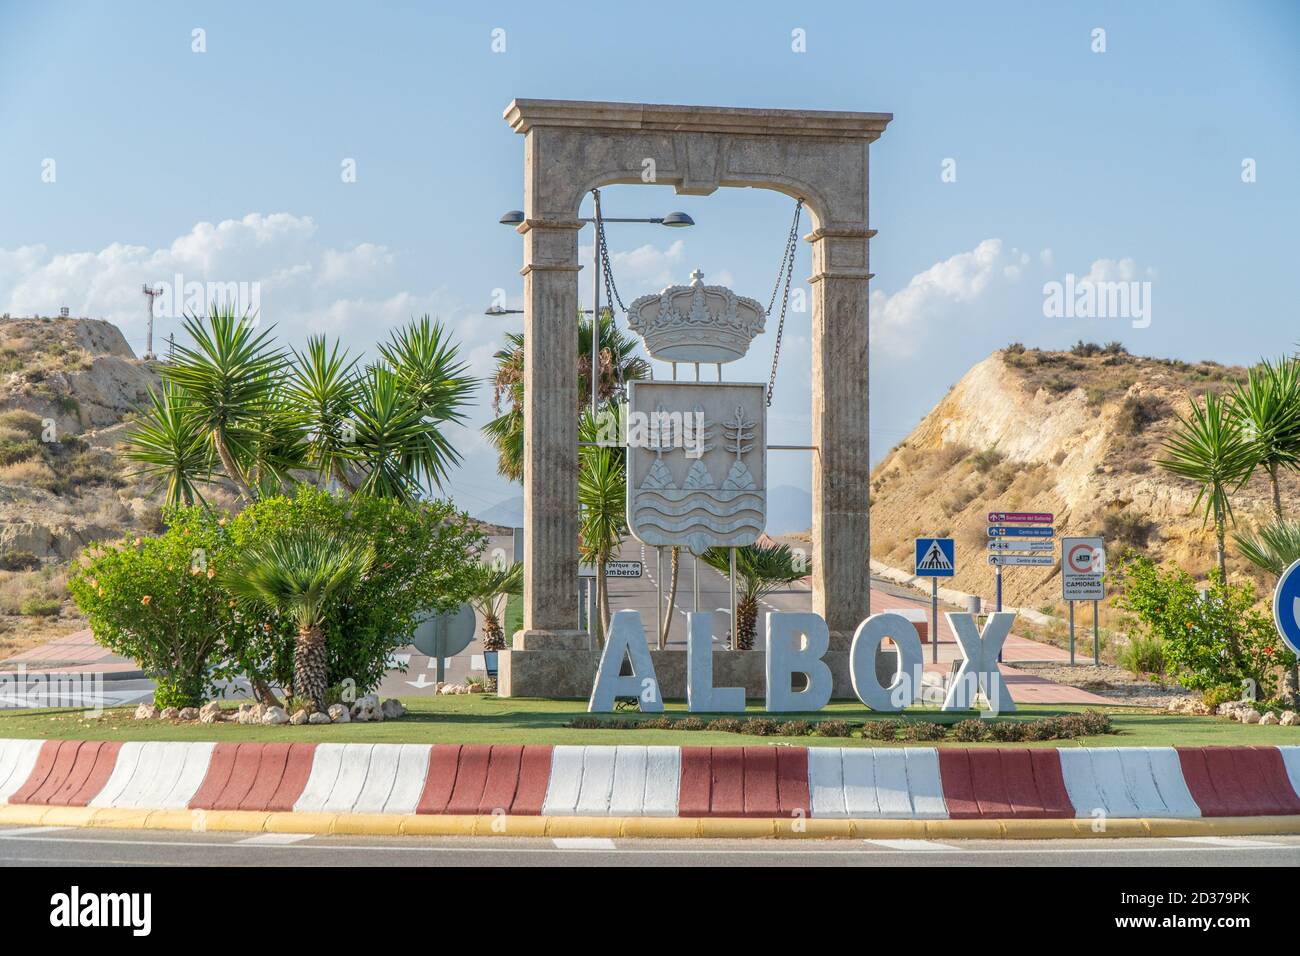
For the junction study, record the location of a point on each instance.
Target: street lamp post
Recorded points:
(674, 220)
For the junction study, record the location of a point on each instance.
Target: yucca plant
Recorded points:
(760, 570)
(486, 584)
(300, 574)
(424, 359)
(227, 376)
(322, 385)
(1273, 548)
(1210, 448)
(1267, 405)
(171, 447)
(390, 433)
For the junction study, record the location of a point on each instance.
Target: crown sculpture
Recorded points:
(696, 322)
(697, 468)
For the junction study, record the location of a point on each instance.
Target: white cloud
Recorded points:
(899, 320)
(275, 259)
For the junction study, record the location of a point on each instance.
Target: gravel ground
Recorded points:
(1109, 681)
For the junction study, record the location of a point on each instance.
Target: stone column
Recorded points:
(841, 480)
(550, 436)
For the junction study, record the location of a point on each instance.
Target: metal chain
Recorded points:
(611, 291)
(787, 273)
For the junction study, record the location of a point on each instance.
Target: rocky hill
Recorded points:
(67, 390)
(1073, 433)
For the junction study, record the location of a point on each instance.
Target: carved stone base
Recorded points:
(552, 641)
(569, 674)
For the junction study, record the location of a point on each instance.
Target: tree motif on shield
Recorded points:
(697, 451)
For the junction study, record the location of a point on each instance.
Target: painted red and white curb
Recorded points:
(859, 783)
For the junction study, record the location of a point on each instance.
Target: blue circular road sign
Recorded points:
(1286, 606)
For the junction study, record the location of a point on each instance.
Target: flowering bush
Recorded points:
(156, 601)
(160, 602)
(1222, 641)
(424, 553)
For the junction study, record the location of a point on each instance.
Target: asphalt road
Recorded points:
(42, 846)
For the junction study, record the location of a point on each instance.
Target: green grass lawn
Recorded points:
(486, 719)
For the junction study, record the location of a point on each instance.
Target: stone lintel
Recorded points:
(526, 114)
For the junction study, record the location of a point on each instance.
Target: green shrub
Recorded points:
(1143, 654)
(1223, 639)
(795, 728)
(969, 731)
(425, 551)
(834, 728)
(1005, 731)
(19, 561)
(149, 599)
(40, 607)
(886, 729)
(691, 723)
(12, 452)
(585, 722)
(1128, 529)
(1095, 722)
(988, 459)
(658, 723)
(924, 730)
(726, 725)
(22, 421)
(759, 727)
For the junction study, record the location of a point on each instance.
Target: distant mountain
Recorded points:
(508, 513)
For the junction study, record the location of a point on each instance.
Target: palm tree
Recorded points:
(1210, 448)
(760, 570)
(602, 496)
(226, 377)
(1267, 405)
(672, 597)
(301, 574)
(618, 363)
(171, 447)
(485, 584)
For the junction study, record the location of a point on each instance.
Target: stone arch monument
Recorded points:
(571, 147)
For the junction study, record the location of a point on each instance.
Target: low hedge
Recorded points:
(1090, 723)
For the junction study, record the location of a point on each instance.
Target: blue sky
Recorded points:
(225, 166)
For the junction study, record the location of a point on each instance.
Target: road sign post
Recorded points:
(935, 558)
(1083, 564)
(1071, 633)
(1013, 533)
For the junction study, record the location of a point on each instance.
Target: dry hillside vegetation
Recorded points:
(67, 389)
(1074, 433)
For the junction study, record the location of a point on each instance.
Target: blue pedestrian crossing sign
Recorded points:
(935, 558)
(1286, 606)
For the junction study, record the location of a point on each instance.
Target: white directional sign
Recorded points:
(613, 569)
(1002, 544)
(1083, 561)
(1028, 560)
(1021, 517)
